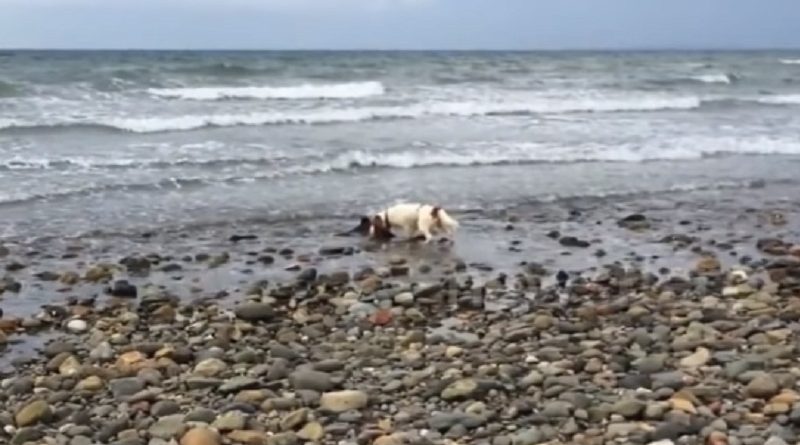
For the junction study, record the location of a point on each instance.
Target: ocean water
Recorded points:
(124, 141)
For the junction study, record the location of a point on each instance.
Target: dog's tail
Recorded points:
(448, 222)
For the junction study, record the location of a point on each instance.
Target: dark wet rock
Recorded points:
(773, 246)
(122, 289)
(335, 250)
(47, 276)
(8, 284)
(15, 266)
(571, 241)
(236, 238)
(635, 221)
(136, 265)
(307, 276)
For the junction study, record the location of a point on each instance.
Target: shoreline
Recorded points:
(678, 319)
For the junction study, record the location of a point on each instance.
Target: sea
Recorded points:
(125, 141)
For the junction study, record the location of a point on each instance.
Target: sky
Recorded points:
(399, 24)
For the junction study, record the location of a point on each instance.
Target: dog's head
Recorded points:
(379, 230)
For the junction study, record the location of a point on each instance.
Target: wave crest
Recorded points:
(350, 90)
(345, 115)
(723, 78)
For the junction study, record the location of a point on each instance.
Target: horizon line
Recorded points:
(567, 49)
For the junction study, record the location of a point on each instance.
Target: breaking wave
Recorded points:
(350, 90)
(333, 116)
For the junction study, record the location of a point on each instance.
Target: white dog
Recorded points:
(416, 220)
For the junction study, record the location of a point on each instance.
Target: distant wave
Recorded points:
(786, 99)
(350, 90)
(475, 154)
(333, 116)
(715, 78)
(790, 61)
(221, 69)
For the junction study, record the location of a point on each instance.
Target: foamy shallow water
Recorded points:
(153, 140)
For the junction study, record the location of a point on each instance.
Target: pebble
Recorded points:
(762, 386)
(168, 427)
(232, 420)
(77, 326)
(32, 413)
(200, 436)
(310, 379)
(341, 401)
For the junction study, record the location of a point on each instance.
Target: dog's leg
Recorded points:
(427, 237)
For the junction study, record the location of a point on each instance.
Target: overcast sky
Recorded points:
(399, 24)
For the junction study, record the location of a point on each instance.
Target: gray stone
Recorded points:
(556, 409)
(237, 384)
(762, 386)
(125, 386)
(164, 408)
(629, 408)
(651, 364)
(168, 427)
(445, 421)
(201, 415)
(232, 420)
(528, 436)
(310, 379)
(255, 312)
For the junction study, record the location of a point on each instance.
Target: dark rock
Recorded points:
(47, 276)
(307, 276)
(636, 221)
(571, 241)
(136, 264)
(335, 250)
(237, 238)
(122, 289)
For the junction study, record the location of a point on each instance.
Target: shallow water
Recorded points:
(116, 141)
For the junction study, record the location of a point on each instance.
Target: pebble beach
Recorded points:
(655, 320)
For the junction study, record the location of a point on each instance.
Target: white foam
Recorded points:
(786, 99)
(350, 90)
(713, 78)
(463, 109)
(489, 153)
(790, 61)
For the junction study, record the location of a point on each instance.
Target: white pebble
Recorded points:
(77, 325)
